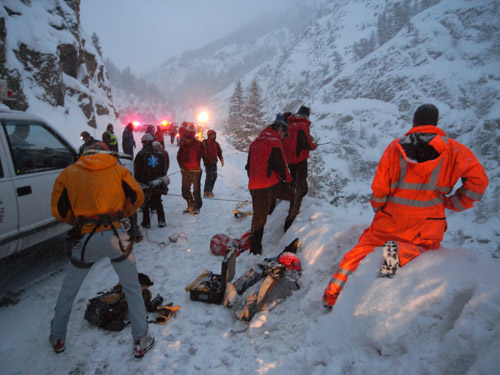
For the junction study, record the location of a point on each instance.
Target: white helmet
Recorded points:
(147, 138)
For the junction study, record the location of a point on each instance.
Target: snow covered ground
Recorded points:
(439, 315)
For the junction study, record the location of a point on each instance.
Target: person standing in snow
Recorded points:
(189, 158)
(128, 142)
(94, 195)
(110, 138)
(90, 143)
(212, 152)
(150, 169)
(297, 147)
(267, 169)
(409, 197)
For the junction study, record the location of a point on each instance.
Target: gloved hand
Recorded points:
(222, 162)
(165, 180)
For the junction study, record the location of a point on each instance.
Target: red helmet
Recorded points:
(291, 261)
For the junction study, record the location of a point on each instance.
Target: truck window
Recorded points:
(34, 148)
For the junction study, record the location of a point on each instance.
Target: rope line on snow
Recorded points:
(234, 183)
(213, 199)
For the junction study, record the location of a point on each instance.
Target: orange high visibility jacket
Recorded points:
(409, 197)
(95, 185)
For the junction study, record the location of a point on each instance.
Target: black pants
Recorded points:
(263, 201)
(192, 178)
(154, 203)
(210, 178)
(299, 189)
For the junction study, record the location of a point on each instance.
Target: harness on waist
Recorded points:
(75, 235)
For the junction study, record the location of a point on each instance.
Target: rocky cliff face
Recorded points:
(45, 57)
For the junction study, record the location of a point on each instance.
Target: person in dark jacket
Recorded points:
(297, 147)
(212, 153)
(128, 142)
(90, 143)
(110, 138)
(268, 176)
(150, 169)
(189, 158)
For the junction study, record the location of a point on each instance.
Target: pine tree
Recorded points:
(96, 43)
(235, 117)
(253, 118)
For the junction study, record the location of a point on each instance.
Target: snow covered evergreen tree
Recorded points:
(235, 117)
(253, 115)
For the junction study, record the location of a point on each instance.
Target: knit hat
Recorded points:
(426, 114)
(303, 110)
(280, 124)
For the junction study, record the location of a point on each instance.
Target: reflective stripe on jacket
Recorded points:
(404, 187)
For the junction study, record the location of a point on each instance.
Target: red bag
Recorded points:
(220, 244)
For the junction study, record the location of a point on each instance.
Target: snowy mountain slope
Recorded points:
(429, 319)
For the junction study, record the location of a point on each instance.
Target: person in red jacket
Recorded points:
(409, 198)
(267, 169)
(297, 147)
(189, 158)
(212, 152)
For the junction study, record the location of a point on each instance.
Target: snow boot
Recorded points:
(391, 259)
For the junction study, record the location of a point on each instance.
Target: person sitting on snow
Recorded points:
(409, 197)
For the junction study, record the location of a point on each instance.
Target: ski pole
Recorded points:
(321, 144)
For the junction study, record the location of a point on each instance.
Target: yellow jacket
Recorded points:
(95, 185)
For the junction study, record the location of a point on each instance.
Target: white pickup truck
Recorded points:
(32, 155)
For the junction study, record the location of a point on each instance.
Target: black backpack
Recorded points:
(109, 309)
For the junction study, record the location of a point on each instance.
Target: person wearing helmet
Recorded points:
(212, 152)
(268, 177)
(189, 158)
(150, 169)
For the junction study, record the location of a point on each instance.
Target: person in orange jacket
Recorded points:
(409, 197)
(94, 195)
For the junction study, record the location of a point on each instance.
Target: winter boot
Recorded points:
(205, 194)
(210, 195)
(141, 346)
(189, 207)
(391, 259)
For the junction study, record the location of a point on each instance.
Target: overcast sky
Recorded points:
(143, 34)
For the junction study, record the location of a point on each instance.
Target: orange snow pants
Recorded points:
(370, 239)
